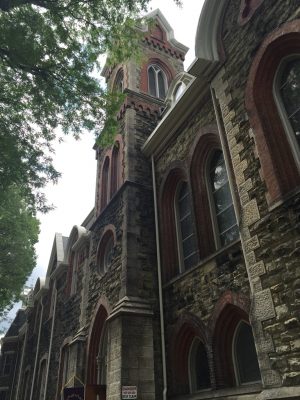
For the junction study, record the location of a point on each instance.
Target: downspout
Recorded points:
(160, 294)
(21, 363)
(37, 350)
(236, 204)
(51, 341)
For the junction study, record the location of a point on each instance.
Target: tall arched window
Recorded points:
(115, 167)
(198, 366)
(274, 116)
(105, 183)
(226, 229)
(157, 82)
(186, 239)
(287, 95)
(119, 81)
(245, 358)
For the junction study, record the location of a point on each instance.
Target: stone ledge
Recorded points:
(131, 305)
(280, 393)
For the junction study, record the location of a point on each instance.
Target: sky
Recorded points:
(73, 196)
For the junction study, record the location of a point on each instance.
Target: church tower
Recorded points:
(122, 301)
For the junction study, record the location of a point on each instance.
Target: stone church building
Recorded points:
(184, 280)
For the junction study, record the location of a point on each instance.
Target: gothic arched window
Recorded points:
(119, 81)
(115, 167)
(105, 183)
(157, 82)
(226, 229)
(287, 95)
(186, 239)
(198, 366)
(245, 358)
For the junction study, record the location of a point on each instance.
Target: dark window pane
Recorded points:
(223, 205)
(161, 85)
(203, 377)
(226, 219)
(295, 122)
(222, 198)
(290, 94)
(191, 261)
(245, 354)
(230, 235)
(152, 84)
(199, 369)
(188, 243)
(218, 173)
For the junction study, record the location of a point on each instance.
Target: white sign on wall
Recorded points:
(129, 392)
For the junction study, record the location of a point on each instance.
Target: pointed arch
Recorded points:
(98, 327)
(188, 330)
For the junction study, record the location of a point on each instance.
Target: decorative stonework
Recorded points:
(263, 305)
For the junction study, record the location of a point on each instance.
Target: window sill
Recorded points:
(245, 391)
(231, 248)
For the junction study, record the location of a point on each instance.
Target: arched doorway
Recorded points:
(97, 358)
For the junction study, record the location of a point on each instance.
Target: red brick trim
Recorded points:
(96, 331)
(181, 336)
(206, 143)
(169, 71)
(176, 174)
(229, 311)
(277, 162)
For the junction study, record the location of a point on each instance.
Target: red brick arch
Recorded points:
(228, 312)
(97, 327)
(181, 336)
(175, 174)
(278, 165)
(169, 71)
(206, 143)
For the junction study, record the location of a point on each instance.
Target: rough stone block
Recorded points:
(257, 269)
(252, 244)
(251, 213)
(271, 378)
(295, 344)
(237, 149)
(263, 305)
(281, 311)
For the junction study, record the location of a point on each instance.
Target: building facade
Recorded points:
(184, 280)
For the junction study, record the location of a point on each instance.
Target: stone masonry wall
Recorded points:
(270, 236)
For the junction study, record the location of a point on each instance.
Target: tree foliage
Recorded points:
(48, 52)
(18, 233)
(49, 69)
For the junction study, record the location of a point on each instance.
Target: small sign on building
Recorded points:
(129, 392)
(74, 393)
